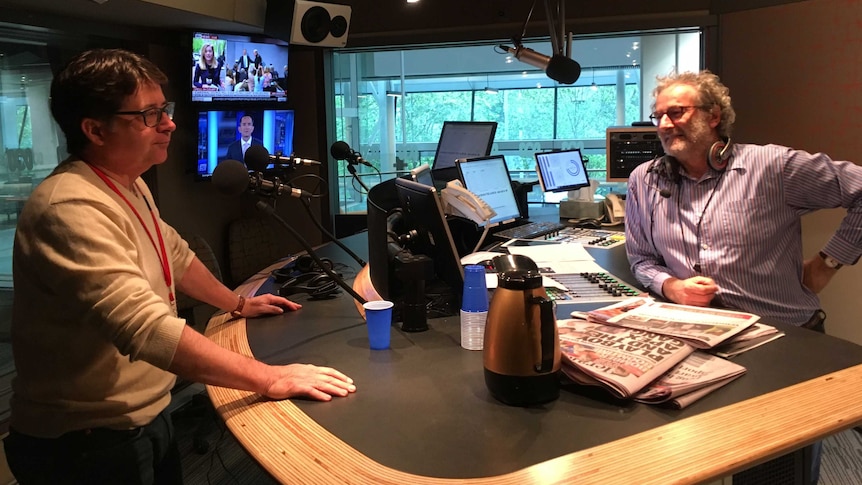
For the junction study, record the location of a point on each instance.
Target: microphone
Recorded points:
(654, 169)
(257, 158)
(559, 67)
(231, 177)
(270, 211)
(340, 150)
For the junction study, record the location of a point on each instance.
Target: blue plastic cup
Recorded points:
(475, 296)
(378, 318)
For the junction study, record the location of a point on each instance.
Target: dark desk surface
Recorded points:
(422, 408)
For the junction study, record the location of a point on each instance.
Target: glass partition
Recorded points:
(391, 104)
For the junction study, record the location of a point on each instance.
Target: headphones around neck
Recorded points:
(718, 156)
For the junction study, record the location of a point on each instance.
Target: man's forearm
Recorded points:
(199, 359)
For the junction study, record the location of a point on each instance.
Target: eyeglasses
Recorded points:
(152, 116)
(674, 113)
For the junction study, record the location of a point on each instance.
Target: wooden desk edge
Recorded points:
(296, 449)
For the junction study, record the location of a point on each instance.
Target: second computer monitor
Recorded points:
(561, 171)
(461, 139)
(488, 178)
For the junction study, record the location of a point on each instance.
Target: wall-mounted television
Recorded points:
(220, 134)
(234, 68)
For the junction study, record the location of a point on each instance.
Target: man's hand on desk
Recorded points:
(267, 304)
(696, 291)
(306, 380)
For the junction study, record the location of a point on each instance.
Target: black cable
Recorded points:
(517, 40)
(269, 210)
(307, 204)
(352, 169)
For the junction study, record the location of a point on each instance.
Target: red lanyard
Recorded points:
(163, 256)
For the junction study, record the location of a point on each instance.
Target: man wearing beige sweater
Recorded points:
(95, 333)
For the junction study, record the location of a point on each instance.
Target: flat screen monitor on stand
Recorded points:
(562, 171)
(461, 139)
(409, 242)
(565, 171)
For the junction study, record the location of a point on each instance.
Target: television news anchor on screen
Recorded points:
(719, 223)
(207, 74)
(236, 150)
(95, 333)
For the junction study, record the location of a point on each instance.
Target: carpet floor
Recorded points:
(842, 459)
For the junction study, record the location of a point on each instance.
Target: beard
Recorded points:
(691, 142)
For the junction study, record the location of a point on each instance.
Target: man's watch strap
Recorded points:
(830, 261)
(238, 312)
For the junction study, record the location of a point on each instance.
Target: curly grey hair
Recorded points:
(710, 91)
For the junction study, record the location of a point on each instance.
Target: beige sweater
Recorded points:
(92, 330)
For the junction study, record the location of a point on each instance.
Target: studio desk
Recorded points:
(422, 414)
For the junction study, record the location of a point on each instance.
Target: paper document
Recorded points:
(553, 252)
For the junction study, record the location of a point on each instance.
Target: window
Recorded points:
(28, 136)
(391, 104)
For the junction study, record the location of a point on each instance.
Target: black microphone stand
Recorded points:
(270, 210)
(351, 167)
(307, 205)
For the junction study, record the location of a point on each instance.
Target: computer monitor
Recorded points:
(422, 174)
(488, 178)
(423, 213)
(461, 139)
(561, 171)
(387, 219)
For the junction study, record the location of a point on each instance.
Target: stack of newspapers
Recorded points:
(656, 352)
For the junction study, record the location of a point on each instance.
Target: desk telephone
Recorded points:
(459, 201)
(615, 209)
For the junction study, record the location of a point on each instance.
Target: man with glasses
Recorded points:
(719, 223)
(95, 333)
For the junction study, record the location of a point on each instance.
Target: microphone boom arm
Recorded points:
(270, 210)
(307, 205)
(352, 169)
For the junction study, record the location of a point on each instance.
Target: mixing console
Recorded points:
(589, 287)
(596, 238)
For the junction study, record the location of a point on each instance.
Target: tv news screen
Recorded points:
(221, 135)
(238, 68)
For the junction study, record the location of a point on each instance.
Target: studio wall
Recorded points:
(795, 80)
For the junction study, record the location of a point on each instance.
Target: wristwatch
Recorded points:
(830, 261)
(238, 312)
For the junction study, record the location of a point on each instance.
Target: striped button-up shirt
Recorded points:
(743, 228)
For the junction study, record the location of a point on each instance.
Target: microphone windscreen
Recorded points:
(563, 69)
(230, 177)
(256, 158)
(340, 150)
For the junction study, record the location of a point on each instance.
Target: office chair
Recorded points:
(199, 409)
(253, 244)
(186, 305)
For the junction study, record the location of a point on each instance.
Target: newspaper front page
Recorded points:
(702, 327)
(623, 360)
(699, 371)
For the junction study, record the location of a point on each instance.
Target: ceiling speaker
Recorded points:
(320, 24)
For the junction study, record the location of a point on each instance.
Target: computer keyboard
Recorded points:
(531, 230)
